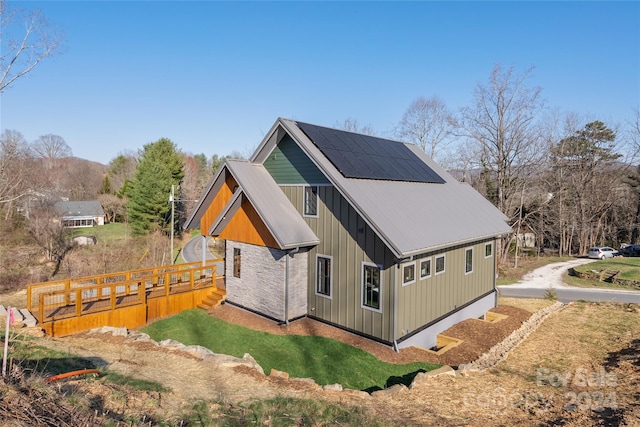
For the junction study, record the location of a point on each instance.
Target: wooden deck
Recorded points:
(75, 305)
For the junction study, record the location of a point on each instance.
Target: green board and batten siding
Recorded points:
(289, 165)
(432, 297)
(343, 235)
(350, 241)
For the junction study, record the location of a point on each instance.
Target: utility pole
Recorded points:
(172, 199)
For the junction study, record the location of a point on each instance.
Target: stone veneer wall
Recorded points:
(261, 286)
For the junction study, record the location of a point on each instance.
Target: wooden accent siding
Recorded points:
(217, 205)
(288, 164)
(246, 226)
(350, 241)
(430, 298)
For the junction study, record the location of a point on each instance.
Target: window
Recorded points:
(488, 250)
(408, 273)
(323, 275)
(236, 262)
(371, 286)
(425, 268)
(440, 264)
(468, 260)
(311, 201)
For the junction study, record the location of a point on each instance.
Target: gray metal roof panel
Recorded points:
(281, 218)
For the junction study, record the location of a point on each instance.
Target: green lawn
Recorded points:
(629, 268)
(325, 360)
(111, 232)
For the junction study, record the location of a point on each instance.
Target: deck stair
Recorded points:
(215, 299)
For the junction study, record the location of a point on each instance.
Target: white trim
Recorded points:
(465, 260)
(490, 244)
(362, 286)
(405, 265)
(435, 264)
(330, 258)
(430, 267)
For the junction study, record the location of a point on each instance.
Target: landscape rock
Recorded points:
(135, 336)
(278, 374)
(172, 344)
(391, 391)
(332, 387)
(424, 377)
(197, 350)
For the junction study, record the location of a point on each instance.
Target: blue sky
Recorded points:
(214, 76)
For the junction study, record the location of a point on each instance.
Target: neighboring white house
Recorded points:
(78, 214)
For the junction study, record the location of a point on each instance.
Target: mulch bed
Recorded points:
(477, 335)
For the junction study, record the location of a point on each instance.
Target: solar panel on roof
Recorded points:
(369, 157)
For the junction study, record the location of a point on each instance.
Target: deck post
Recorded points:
(78, 302)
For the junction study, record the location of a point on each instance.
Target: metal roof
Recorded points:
(282, 219)
(410, 217)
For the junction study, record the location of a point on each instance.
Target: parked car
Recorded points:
(629, 250)
(602, 252)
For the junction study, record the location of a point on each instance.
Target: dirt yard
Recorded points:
(581, 367)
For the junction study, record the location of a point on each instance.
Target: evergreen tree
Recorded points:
(160, 167)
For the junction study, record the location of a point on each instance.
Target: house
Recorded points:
(366, 234)
(76, 214)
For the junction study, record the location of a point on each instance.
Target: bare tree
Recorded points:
(51, 147)
(352, 125)
(427, 123)
(46, 228)
(502, 124)
(26, 39)
(16, 169)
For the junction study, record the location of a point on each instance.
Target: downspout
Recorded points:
(395, 308)
(204, 248)
(286, 283)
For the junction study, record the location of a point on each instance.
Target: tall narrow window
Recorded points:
(440, 264)
(425, 268)
(323, 279)
(236, 262)
(468, 260)
(311, 201)
(371, 286)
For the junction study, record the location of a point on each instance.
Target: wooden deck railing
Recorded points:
(151, 276)
(76, 299)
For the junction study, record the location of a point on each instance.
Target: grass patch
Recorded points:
(108, 233)
(281, 411)
(628, 267)
(138, 384)
(325, 360)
